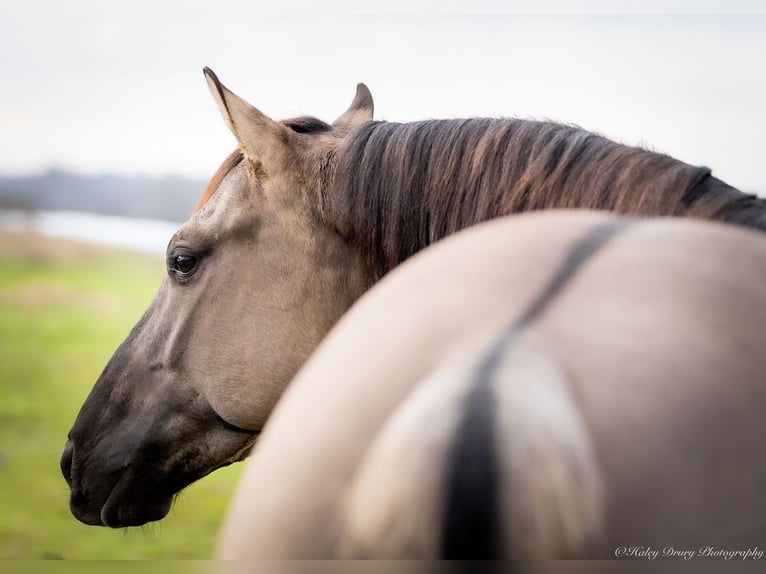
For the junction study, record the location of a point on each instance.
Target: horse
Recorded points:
(293, 228)
(548, 385)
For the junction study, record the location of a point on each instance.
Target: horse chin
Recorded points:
(121, 511)
(116, 515)
(86, 516)
(126, 505)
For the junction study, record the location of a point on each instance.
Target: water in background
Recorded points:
(145, 235)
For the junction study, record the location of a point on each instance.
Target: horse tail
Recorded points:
(487, 460)
(521, 478)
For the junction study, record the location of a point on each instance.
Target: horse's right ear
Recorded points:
(261, 139)
(359, 112)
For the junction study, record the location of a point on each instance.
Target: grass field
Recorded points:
(64, 308)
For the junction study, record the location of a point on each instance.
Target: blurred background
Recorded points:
(108, 135)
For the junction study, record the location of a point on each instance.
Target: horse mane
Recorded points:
(400, 187)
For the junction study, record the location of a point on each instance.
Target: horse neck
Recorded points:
(397, 188)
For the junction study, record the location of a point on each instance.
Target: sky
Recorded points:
(96, 86)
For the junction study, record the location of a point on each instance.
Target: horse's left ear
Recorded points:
(358, 112)
(261, 139)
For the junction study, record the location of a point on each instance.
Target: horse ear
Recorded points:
(261, 139)
(359, 111)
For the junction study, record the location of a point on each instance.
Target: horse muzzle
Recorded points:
(113, 500)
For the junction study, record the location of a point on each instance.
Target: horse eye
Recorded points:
(184, 264)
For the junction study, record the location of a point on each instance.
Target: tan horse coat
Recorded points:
(630, 410)
(295, 226)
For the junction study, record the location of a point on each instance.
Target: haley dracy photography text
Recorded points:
(670, 552)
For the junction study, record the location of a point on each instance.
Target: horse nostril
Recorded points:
(66, 461)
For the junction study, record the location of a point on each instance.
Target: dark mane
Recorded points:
(401, 187)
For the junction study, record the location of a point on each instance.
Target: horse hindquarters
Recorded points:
(479, 463)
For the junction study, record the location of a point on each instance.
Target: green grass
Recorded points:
(64, 308)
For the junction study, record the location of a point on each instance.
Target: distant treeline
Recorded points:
(171, 198)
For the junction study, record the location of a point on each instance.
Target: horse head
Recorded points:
(254, 281)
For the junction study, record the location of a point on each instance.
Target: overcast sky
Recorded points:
(117, 86)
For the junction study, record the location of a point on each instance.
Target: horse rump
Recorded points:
(483, 460)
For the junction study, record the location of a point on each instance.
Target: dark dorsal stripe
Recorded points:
(472, 524)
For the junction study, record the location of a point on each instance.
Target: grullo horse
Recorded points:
(295, 226)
